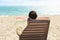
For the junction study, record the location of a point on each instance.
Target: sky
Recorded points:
(30, 2)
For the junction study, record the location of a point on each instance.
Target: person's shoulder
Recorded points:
(28, 19)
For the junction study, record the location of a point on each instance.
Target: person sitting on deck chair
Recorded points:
(32, 16)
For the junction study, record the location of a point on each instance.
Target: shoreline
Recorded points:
(27, 15)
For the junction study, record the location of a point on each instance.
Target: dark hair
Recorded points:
(32, 15)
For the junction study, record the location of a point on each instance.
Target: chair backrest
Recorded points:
(36, 30)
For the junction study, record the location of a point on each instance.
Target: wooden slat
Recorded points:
(34, 38)
(37, 33)
(31, 39)
(36, 29)
(39, 21)
(38, 24)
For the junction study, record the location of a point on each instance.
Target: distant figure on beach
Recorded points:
(32, 15)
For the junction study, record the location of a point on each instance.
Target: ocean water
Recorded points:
(19, 10)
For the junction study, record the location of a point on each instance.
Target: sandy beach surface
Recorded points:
(10, 24)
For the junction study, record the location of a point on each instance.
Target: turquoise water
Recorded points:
(18, 10)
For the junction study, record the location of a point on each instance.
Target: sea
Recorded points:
(20, 10)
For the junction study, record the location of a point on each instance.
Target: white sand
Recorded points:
(9, 25)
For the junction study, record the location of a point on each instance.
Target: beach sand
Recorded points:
(10, 24)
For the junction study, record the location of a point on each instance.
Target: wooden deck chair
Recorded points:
(36, 29)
